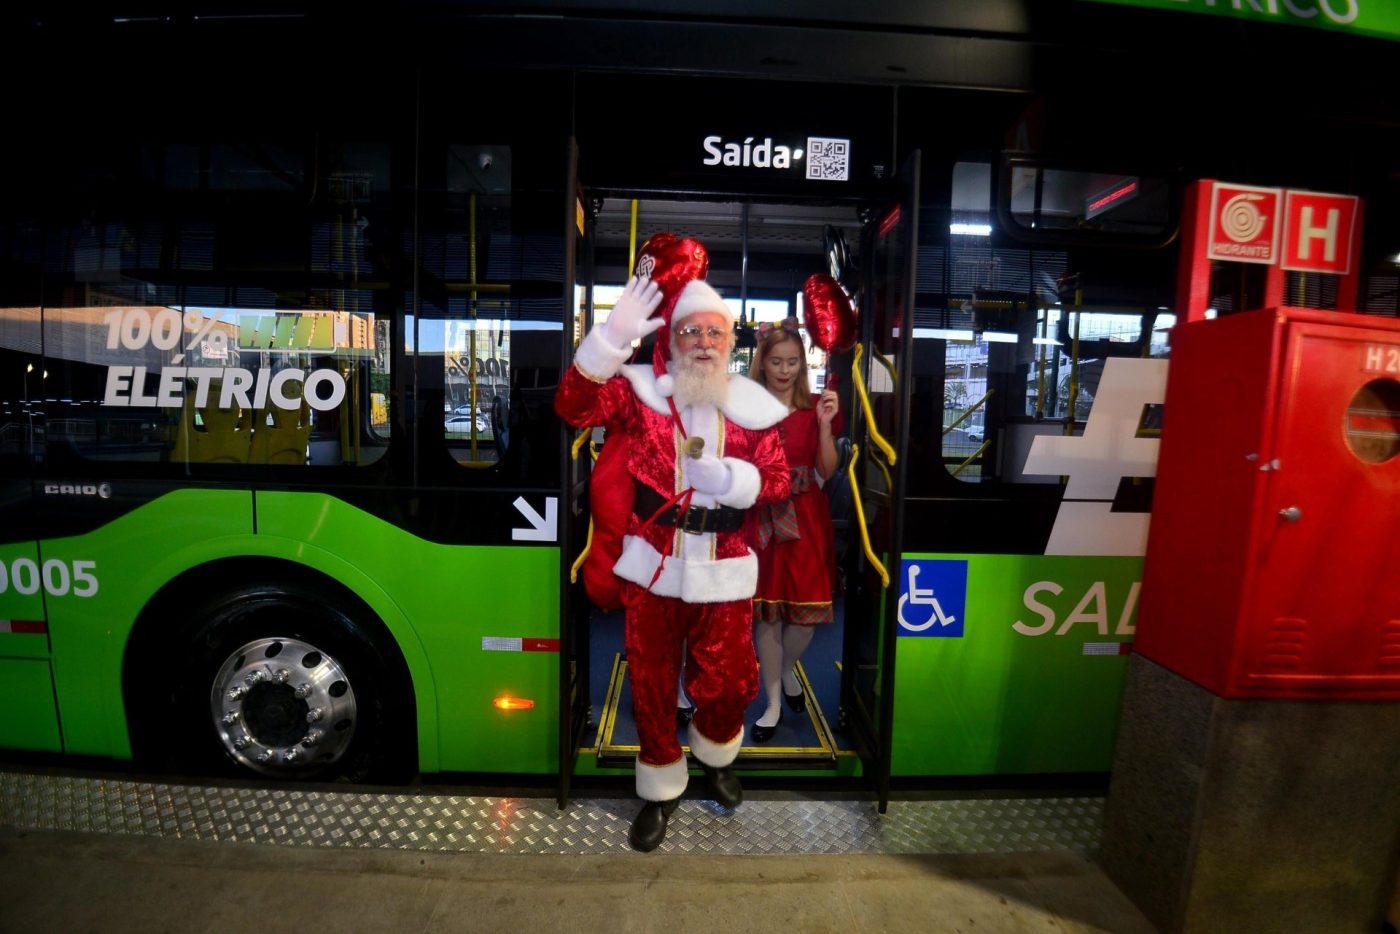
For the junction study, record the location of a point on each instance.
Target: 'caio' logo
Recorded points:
(99, 490)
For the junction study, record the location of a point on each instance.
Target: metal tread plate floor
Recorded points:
(463, 823)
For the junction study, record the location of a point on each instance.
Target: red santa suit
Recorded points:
(690, 577)
(671, 262)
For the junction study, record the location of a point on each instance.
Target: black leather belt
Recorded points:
(697, 519)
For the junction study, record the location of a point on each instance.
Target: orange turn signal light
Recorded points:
(513, 703)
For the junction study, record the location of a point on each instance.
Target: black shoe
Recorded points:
(762, 734)
(725, 785)
(649, 826)
(683, 715)
(798, 701)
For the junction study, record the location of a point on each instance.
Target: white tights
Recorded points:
(779, 647)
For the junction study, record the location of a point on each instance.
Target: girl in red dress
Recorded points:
(796, 551)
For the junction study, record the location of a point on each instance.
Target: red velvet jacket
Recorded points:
(705, 568)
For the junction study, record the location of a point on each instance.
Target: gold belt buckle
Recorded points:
(704, 515)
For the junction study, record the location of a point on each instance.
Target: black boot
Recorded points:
(683, 716)
(649, 826)
(725, 785)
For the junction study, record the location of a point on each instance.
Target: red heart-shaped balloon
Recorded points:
(671, 262)
(828, 315)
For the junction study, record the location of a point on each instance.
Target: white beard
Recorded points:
(697, 382)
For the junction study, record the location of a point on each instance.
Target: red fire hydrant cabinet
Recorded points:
(1273, 558)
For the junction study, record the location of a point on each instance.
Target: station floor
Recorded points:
(91, 852)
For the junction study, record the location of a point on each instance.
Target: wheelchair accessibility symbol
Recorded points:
(937, 609)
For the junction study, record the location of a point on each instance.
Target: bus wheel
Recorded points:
(287, 682)
(282, 705)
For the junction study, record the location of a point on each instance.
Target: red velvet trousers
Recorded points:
(721, 672)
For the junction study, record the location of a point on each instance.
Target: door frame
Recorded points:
(574, 673)
(872, 731)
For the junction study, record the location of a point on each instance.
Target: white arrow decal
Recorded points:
(545, 528)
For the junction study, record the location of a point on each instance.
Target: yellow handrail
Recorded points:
(968, 411)
(577, 446)
(474, 287)
(975, 454)
(860, 517)
(582, 555)
(1074, 362)
(889, 481)
(632, 240)
(574, 448)
(875, 435)
(473, 462)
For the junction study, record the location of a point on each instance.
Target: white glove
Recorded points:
(630, 318)
(708, 474)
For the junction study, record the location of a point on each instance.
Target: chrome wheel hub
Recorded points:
(282, 705)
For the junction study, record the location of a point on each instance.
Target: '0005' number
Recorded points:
(58, 578)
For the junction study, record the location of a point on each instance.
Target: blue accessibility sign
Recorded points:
(932, 598)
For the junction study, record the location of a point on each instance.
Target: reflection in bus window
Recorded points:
(1048, 200)
(1010, 344)
(1047, 371)
(476, 385)
(219, 385)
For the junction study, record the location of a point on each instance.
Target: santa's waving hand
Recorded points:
(631, 316)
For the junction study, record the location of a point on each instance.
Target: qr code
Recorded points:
(828, 160)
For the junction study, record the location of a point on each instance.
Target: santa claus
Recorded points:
(703, 448)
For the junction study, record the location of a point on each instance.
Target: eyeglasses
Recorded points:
(693, 331)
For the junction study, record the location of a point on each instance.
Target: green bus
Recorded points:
(284, 301)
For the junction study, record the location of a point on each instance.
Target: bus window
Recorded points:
(21, 396)
(476, 369)
(222, 302)
(1008, 346)
(1037, 373)
(1041, 202)
(487, 333)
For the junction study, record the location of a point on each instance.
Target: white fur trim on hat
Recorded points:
(697, 296)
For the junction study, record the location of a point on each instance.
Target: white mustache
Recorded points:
(693, 354)
(700, 380)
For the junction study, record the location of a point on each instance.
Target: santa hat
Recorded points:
(697, 296)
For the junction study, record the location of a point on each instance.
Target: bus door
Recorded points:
(759, 252)
(576, 453)
(879, 403)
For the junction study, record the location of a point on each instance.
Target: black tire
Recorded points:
(302, 637)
